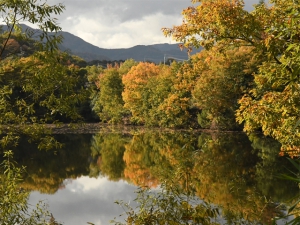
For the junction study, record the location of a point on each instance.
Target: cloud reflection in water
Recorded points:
(87, 200)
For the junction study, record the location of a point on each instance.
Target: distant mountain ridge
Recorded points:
(155, 53)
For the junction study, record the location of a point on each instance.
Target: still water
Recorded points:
(232, 171)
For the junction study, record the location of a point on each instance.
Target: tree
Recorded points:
(178, 109)
(136, 92)
(168, 205)
(14, 12)
(225, 78)
(14, 208)
(39, 88)
(93, 73)
(110, 96)
(159, 88)
(273, 31)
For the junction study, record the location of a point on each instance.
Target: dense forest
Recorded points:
(246, 78)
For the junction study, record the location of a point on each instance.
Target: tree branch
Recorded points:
(9, 34)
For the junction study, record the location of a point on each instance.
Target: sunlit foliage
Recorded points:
(224, 78)
(137, 92)
(273, 31)
(38, 89)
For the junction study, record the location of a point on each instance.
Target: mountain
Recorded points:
(155, 53)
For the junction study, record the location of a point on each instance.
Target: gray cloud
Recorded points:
(122, 10)
(122, 23)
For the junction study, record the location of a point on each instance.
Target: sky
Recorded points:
(123, 23)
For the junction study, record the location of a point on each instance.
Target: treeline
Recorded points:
(202, 92)
(211, 90)
(248, 72)
(246, 78)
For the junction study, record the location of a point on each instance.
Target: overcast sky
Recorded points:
(122, 23)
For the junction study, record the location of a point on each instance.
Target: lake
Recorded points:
(231, 171)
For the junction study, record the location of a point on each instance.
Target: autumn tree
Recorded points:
(224, 78)
(159, 95)
(38, 87)
(158, 90)
(137, 92)
(176, 107)
(273, 31)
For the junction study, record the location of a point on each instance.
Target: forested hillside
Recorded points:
(74, 45)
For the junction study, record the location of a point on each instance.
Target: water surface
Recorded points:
(82, 180)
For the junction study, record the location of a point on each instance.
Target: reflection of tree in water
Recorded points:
(141, 158)
(222, 168)
(107, 150)
(47, 170)
(225, 170)
(270, 165)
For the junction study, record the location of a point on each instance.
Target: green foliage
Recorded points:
(14, 208)
(110, 96)
(39, 88)
(93, 73)
(108, 150)
(168, 205)
(273, 32)
(42, 88)
(106, 91)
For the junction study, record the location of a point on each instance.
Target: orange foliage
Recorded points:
(135, 82)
